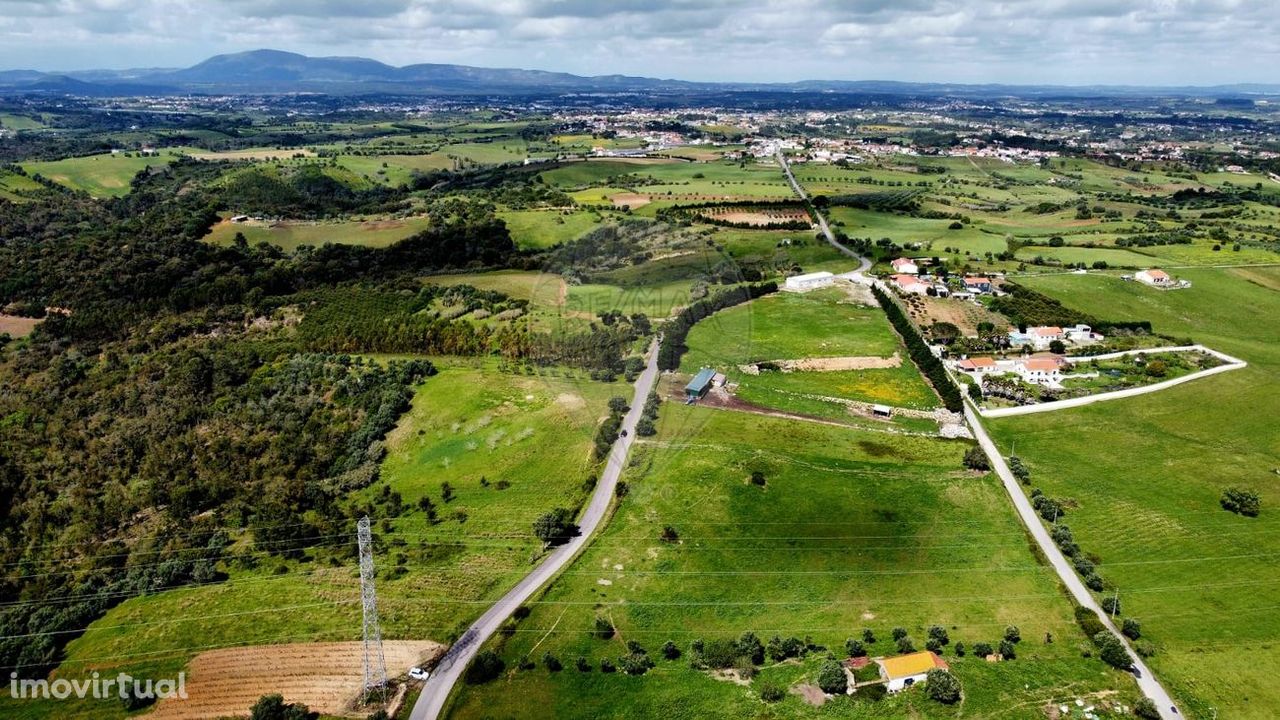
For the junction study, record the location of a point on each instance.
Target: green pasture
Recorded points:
(537, 229)
(104, 175)
(292, 234)
(851, 530)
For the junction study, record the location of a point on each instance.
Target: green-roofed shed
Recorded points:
(700, 383)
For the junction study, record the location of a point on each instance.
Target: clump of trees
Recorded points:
(486, 666)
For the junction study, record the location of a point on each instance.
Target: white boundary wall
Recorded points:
(1232, 363)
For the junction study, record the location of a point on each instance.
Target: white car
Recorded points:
(419, 673)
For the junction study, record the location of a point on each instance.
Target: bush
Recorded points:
(582, 664)
(959, 649)
(670, 651)
(1131, 628)
(982, 649)
(975, 459)
(906, 645)
(1111, 605)
(757, 478)
(750, 647)
(273, 707)
(635, 663)
(771, 693)
(1089, 621)
(1144, 648)
(554, 527)
(1241, 501)
(1012, 634)
(868, 637)
(831, 677)
(604, 628)
(1019, 469)
(551, 662)
(933, 645)
(1112, 651)
(942, 686)
(606, 665)
(1146, 709)
(899, 633)
(1008, 650)
(485, 667)
(855, 648)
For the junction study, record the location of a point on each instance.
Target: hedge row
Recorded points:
(676, 331)
(920, 354)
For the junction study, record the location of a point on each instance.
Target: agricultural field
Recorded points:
(13, 183)
(1144, 477)
(293, 234)
(847, 351)
(850, 530)
(101, 176)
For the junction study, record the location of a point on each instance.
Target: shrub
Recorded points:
(554, 527)
(868, 637)
(485, 667)
(1008, 650)
(982, 649)
(1012, 634)
(932, 645)
(975, 459)
(1146, 709)
(273, 707)
(939, 633)
(959, 649)
(606, 666)
(1111, 605)
(582, 664)
(1131, 628)
(750, 647)
(604, 628)
(670, 651)
(906, 645)
(899, 633)
(669, 535)
(635, 663)
(1112, 651)
(855, 648)
(1144, 648)
(1241, 501)
(757, 478)
(942, 686)
(771, 693)
(551, 662)
(1089, 621)
(831, 677)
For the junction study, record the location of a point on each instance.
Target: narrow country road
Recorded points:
(1146, 679)
(864, 264)
(436, 690)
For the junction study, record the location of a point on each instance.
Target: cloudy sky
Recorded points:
(1041, 41)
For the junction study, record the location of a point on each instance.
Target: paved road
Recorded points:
(436, 690)
(864, 263)
(1147, 680)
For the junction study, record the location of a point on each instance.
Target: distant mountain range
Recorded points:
(276, 72)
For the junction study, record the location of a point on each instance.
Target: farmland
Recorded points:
(99, 175)
(293, 234)
(837, 540)
(1145, 475)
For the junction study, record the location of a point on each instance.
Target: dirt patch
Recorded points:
(811, 694)
(832, 364)
(631, 200)
(570, 401)
(758, 218)
(732, 676)
(382, 225)
(16, 326)
(325, 676)
(961, 313)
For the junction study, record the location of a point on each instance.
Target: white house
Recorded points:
(905, 671)
(1081, 335)
(910, 284)
(1157, 278)
(1041, 370)
(800, 283)
(1043, 335)
(978, 285)
(905, 266)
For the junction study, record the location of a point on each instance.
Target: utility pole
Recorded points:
(1115, 603)
(375, 663)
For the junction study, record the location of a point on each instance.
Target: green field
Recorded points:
(470, 421)
(104, 175)
(1147, 474)
(292, 234)
(537, 229)
(852, 530)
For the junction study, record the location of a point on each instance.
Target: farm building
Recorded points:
(700, 383)
(905, 266)
(904, 671)
(1158, 278)
(809, 281)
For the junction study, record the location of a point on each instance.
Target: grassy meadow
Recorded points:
(293, 234)
(1144, 476)
(101, 176)
(852, 530)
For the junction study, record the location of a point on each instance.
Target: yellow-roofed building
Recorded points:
(903, 671)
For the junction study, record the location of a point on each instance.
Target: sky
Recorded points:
(1141, 42)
